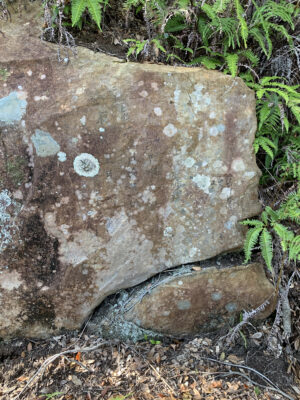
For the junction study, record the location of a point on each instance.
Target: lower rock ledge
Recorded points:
(186, 301)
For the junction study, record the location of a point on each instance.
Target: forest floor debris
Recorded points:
(84, 367)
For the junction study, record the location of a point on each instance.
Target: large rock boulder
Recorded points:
(186, 301)
(202, 301)
(110, 173)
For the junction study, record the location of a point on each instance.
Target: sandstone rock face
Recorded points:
(202, 301)
(110, 173)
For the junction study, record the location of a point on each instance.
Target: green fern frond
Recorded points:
(252, 222)
(278, 10)
(283, 232)
(294, 249)
(263, 113)
(209, 11)
(250, 56)
(78, 7)
(266, 144)
(266, 247)
(259, 37)
(93, 6)
(272, 214)
(94, 10)
(250, 241)
(264, 217)
(242, 21)
(232, 63)
(220, 5)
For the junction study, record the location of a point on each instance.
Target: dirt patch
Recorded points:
(169, 369)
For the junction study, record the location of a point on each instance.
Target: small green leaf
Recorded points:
(266, 247)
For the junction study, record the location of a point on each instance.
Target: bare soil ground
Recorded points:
(85, 367)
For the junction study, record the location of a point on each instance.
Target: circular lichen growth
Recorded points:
(86, 165)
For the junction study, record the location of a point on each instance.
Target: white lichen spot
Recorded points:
(216, 129)
(18, 195)
(170, 130)
(8, 212)
(168, 232)
(249, 174)
(86, 165)
(44, 144)
(180, 283)
(42, 77)
(183, 304)
(80, 90)
(202, 181)
(212, 115)
(158, 111)
(216, 296)
(200, 134)
(143, 93)
(39, 98)
(83, 120)
(10, 280)
(29, 72)
(140, 83)
(226, 193)
(148, 196)
(238, 165)
(101, 129)
(231, 222)
(154, 86)
(61, 156)
(189, 162)
(193, 251)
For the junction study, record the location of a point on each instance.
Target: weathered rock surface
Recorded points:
(110, 173)
(202, 301)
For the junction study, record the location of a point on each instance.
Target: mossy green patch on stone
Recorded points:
(4, 74)
(15, 170)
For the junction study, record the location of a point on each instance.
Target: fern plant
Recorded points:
(275, 101)
(93, 6)
(270, 223)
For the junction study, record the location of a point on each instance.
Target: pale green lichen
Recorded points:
(15, 170)
(44, 144)
(12, 108)
(8, 211)
(86, 165)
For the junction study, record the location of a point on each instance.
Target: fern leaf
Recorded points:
(255, 32)
(272, 214)
(209, 11)
(220, 5)
(283, 232)
(266, 79)
(266, 247)
(94, 10)
(294, 250)
(252, 222)
(78, 6)
(265, 144)
(232, 63)
(250, 56)
(251, 240)
(242, 21)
